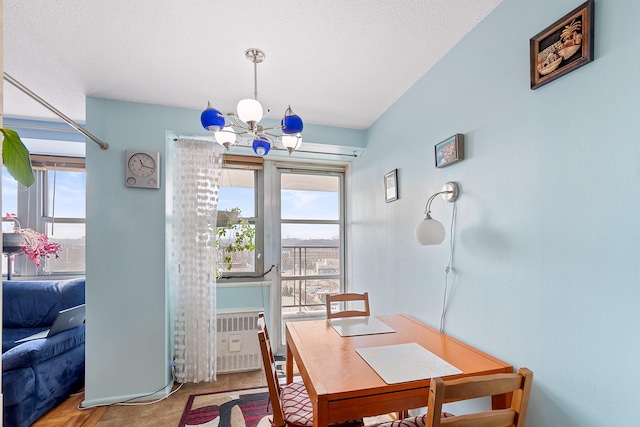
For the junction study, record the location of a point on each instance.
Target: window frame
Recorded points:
(33, 204)
(257, 219)
(340, 222)
(342, 171)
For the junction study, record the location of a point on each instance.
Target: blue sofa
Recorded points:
(39, 374)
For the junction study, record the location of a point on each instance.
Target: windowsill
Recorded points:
(226, 284)
(43, 278)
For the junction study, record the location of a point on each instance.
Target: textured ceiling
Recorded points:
(337, 62)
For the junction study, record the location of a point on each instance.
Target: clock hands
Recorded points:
(143, 165)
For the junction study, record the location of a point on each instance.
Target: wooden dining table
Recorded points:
(343, 386)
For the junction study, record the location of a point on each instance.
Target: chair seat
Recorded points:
(296, 406)
(418, 421)
(298, 410)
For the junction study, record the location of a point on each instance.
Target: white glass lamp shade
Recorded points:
(291, 141)
(249, 110)
(430, 232)
(226, 136)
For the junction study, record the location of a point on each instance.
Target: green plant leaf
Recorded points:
(15, 157)
(236, 236)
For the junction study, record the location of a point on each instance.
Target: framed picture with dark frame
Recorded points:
(391, 186)
(450, 150)
(563, 46)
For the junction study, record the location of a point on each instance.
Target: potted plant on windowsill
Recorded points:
(235, 234)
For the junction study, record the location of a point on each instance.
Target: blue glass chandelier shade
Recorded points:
(212, 119)
(261, 146)
(291, 122)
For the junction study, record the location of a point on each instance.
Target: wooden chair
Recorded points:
(470, 388)
(290, 403)
(262, 326)
(347, 298)
(473, 387)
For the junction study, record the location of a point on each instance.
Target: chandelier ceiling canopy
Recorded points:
(242, 125)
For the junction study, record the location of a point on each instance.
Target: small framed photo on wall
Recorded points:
(391, 186)
(450, 150)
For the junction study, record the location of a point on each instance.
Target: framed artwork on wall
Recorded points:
(391, 186)
(450, 150)
(563, 46)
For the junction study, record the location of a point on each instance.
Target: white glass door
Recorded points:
(311, 244)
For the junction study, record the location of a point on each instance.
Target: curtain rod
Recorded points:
(103, 145)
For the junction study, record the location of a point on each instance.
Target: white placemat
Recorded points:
(401, 363)
(359, 325)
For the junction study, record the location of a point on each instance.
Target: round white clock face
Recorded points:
(142, 164)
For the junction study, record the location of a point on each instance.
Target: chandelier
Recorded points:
(244, 124)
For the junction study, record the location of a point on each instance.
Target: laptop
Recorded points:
(67, 319)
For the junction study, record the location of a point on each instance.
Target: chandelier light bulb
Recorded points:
(249, 110)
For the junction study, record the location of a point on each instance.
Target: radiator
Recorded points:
(237, 340)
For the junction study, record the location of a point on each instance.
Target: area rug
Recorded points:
(234, 408)
(237, 408)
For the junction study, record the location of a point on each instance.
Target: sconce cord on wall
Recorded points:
(448, 268)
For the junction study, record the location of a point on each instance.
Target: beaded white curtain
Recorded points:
(196, 180)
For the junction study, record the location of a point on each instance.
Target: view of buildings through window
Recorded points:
(311, 241)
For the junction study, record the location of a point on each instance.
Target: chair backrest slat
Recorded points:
(498, 418)
(347, 298)
(487, 385)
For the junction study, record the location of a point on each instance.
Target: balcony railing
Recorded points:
(309, 273)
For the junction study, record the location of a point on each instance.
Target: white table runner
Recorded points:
(359, 325)
(400, 363)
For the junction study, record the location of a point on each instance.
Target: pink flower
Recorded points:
(35, 245)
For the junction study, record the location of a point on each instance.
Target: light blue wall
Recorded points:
(546, 240)
(127, 350)
(128, 336)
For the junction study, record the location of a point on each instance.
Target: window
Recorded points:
(311, 241)
(240, 189)
(53, 205)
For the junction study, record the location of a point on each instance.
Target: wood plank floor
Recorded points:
(166, 413)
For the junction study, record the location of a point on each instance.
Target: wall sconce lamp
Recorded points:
(430, 231)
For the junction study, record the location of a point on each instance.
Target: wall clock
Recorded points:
(142, 169)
